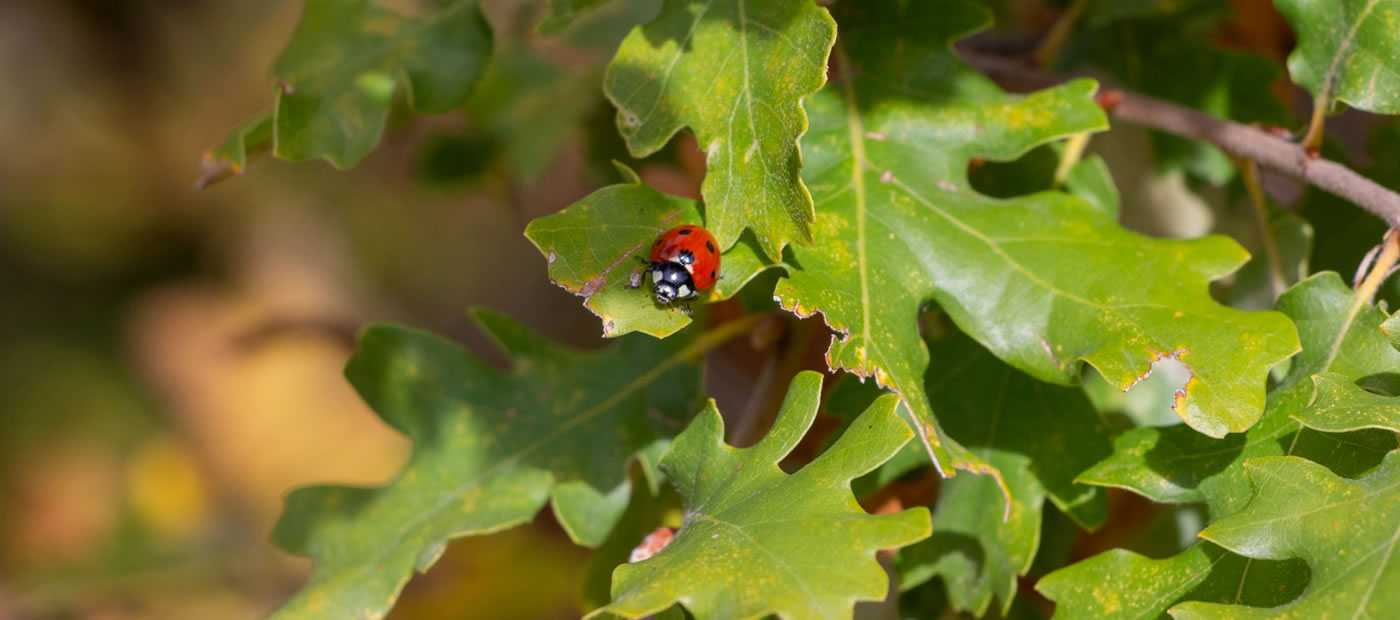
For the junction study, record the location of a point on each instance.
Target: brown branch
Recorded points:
(1234, 138)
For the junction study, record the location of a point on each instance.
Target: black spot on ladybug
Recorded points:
(710, 246)
(658, 242)
(712, 275)
(683, 231)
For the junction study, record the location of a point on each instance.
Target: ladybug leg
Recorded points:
(685, 309)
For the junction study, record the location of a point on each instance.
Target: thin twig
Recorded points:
(1249, 173)
(1234, 138)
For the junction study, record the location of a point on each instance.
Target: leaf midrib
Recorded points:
(400, 536)
(1329, 79)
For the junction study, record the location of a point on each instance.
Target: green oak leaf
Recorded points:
(657, 507)
(735, 72)
(1341, 405)
(1089, 178)
(1177, 465)
(1347, 51)
(593, 247)
(887, 158)
(1122, 584)
(337, 76)
(1039, 436)
(757, 540)
(230, 158)
(1391, 329)
(491, 447)
(1346, 530)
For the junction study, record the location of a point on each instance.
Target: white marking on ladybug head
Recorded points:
(683, 291)
(656, 276)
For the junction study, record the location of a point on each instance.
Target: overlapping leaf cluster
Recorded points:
(857, 188)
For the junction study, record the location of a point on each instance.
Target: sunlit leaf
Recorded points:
(1391, 329)
(757, 540)
(491, 447)
(1346, 530)
(1341, 405)
(1123, 584)
(340, 70)
(1347, 51)
(735, 73)
(649, 509)
(1177, 465)
(1173, 464)
(1039, 436)
(1044, 281)
(593, 249)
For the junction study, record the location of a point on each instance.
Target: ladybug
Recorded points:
(684, 261)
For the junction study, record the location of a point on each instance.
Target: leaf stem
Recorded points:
(1312, 141)
(1249, 174)
(1074, 151)
(1381, 269)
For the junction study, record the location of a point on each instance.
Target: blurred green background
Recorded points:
(170, 359)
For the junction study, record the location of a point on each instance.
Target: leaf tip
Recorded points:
(629, 176)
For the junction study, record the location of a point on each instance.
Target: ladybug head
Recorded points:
(672, 282)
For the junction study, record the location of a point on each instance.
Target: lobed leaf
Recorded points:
(491, 447)
(593, 247)
(756, 540)
(1039, 437)
(735, 72)
(1347, 50)
(1346, 530)
(1340, 405)
(899, 225)
(1177, 465)
(1123, 584)
(337, 76)
(1391, 329)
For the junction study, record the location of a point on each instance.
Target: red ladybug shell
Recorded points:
(704, 270)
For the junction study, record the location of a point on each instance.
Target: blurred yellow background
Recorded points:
(170, 360)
